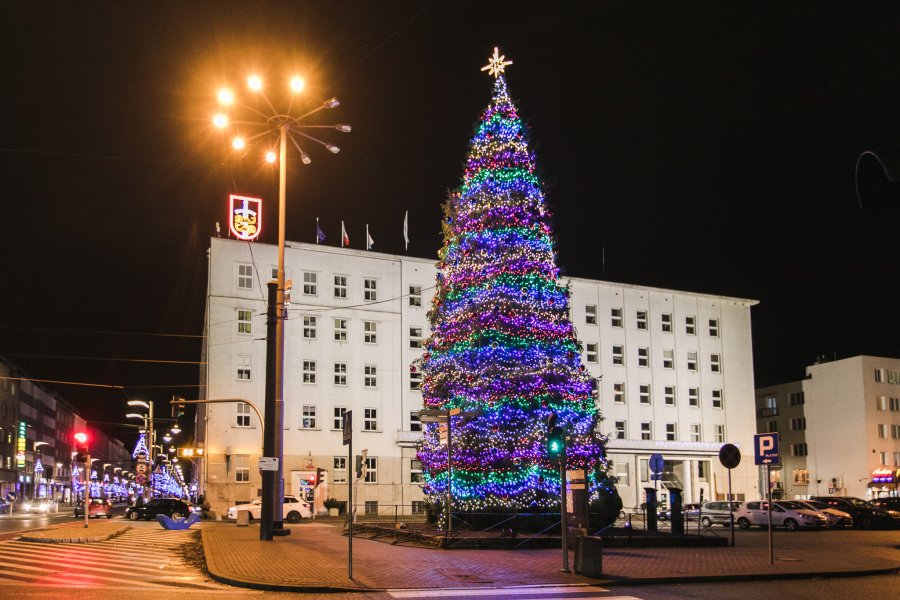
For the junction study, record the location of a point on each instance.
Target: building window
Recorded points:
(896, 459)
(695, 433)
(371, 474)
(370, 290)
(644, 467)
(690, 325)
(895, 404)
(717, 398)
(772, 403)
(882, 431)
(615, 317)
(415, 380)
(671, 432)
(244, 320)
(244, 368)
(643, 357)
(771, 426)
(339, 472)
(692, 361)
(879, 374)
(415, 295)
(798, 449)
(618, 355)
(242, 468)
(245, 277)
(243, 414)
(895, 431)
(309, 327)
(715, 364)
(340, 373)
(310, 283)
(340, 286)
(646, 431)
(590, 314)
(693, 396)
(798, 424)
(702, 470)
(418, 507)
(308, 414)
(621, 431)
(713, 328)
(796, 399)
(371, 505)
(644, 393)
(719, 433)
(415, 471)
(309, 371)
(801, 477)
(666, 322)
(619, 393)
(370, 419)
(415, 337)
(668, 359)
(883, 459)
(669, 395)
(338, 420)
(370, 376)
(340, 330)
(641, 319)
(370, 332)
(592, 352)
(414, 423)
(881, 403)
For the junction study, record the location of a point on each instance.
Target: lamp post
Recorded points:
(274, 124)
(148, 422)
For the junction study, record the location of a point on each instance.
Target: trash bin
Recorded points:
(589, 556)
(243, 518)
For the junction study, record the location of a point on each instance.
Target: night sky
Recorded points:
(707, 146)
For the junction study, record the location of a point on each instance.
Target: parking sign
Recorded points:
(765, 449)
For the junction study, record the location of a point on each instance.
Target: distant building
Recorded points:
(677, 376)
(839, 429)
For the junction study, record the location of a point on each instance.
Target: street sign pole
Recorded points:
(563, 509)
(350, 470)
(769, 503)
(731, 507)
(449, 474)
(87, 488)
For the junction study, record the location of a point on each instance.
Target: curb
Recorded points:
(75, 540)
(749, 577)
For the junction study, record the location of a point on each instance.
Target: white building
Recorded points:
(677, 375)
(839, 429)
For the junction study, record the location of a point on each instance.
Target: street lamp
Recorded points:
(281, 125)
(148, 421)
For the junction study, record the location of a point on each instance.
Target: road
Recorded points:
(149, 561)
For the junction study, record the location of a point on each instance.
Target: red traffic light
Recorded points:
(81, 437)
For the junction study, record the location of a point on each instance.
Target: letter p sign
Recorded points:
(765, 449)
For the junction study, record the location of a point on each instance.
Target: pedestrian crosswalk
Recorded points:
(144, 557)
(573, 592)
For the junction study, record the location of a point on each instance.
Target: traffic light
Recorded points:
(311, 479)
(320, 476)
(81, 446)
(556, 445)
(177, 409)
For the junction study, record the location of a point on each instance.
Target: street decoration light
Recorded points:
(263, 122)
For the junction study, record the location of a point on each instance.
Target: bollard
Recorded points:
(589, 556)
(243, 518)
(676, 519)
(651, 508)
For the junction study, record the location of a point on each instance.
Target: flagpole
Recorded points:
(317, 231)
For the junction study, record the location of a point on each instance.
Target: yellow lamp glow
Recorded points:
(297, 84)
(220, 120)
(271, 156)
(226, 96)
(238, 143)
(254, 83)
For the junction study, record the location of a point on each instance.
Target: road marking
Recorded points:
(569, 591)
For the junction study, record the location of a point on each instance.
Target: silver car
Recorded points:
(717, 512)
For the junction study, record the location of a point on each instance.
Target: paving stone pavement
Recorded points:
(314, 558)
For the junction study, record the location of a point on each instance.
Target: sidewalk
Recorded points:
(76, 532)
(314, 559)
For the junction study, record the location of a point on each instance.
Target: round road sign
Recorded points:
(657, 464)
(729, 456)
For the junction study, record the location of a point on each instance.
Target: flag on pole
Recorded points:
(345, 241)
(406, 229)
(369, 241)
(320, 235)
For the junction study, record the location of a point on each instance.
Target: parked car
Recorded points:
(865, 515)
(172, 507)
(718, 512)
(688, 512)
(887, 503)
(292, 509)
(4, 506)
(836, 518)
(790, 514)
(99, 507)
(39, 505)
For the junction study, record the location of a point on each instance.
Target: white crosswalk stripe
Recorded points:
(144, 557)
(518, 593)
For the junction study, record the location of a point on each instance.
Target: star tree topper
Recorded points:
(496, 64)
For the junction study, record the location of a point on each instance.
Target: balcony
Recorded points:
(767, 412)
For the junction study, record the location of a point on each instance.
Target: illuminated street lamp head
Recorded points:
(238, 143)
(220, 120)
(135, 416)
(254, 83)
(176, 430)
(297, 84)
(343, 127)
(331, 103)
(167, 438)
(271, 157)
(138, 403)
(332, 148)
(225, 96)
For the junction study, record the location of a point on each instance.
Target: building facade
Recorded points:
(677, 376)
(839, 429)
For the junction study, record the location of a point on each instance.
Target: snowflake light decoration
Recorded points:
(496, 64)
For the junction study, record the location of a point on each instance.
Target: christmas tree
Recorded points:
(502, 347)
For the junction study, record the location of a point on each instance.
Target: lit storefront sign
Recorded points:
(245, 217)
(885, 476)
(20, 446)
